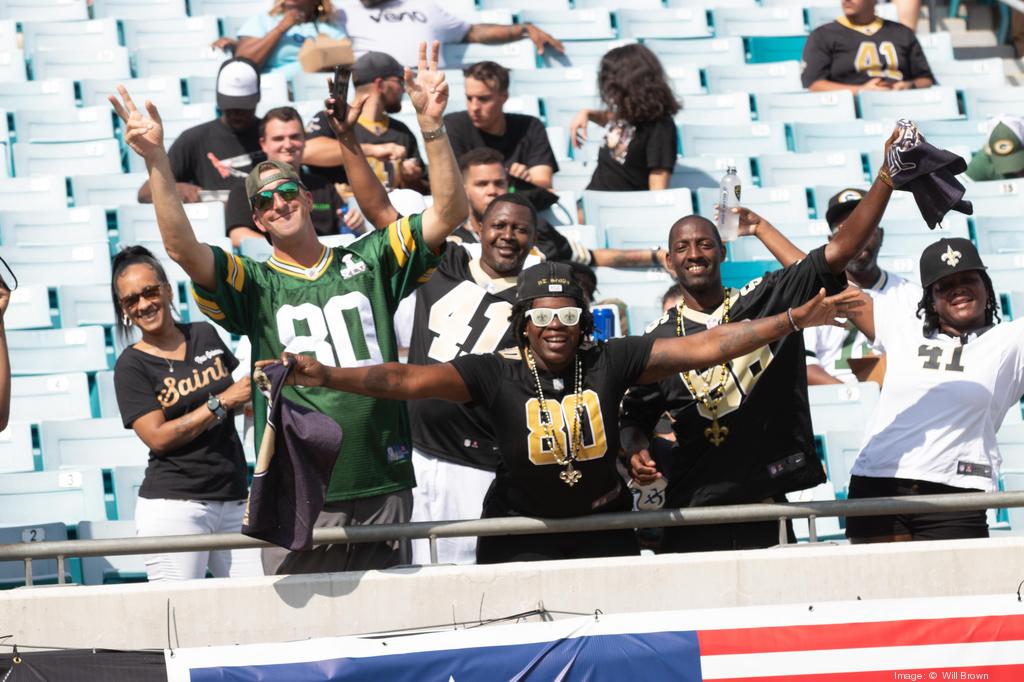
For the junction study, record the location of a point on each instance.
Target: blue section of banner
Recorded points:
(651, 657)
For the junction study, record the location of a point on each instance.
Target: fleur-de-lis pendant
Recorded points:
(570, 475)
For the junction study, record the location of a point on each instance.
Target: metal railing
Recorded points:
(521, 525)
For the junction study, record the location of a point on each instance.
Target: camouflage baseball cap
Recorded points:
(254, 183)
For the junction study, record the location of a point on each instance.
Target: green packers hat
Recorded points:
(1005, 147)
(947, 256)
(254, 183)
(840, 205)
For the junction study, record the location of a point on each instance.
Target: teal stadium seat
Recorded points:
(937, 47)
(12, 66)
(33, 10)
(525, 5)
(48, 351)
(62, 35)
(126, 481)
(176, 62)
(66, 496)
(55, 94)
(997, 197)
(765, 49)
(834, 407)
(518, 55)
(748, 249)
(108, 62)
(968, 133)
(828, 136)
(57, 264)
(634, 287)
(686, 22)
(758, 21)
(562, 212)
(581, 54)
(29, 308)
(69, 125)
(590, 236)
(1011, 444)
(98, 442)
(707, 171)
(616, 4)
(755, 78)
(937, 102)
(573, 176)
(648, 215)
(568, 82)
(132, 9)
(569, 24)
(44, 571)
(559, 111)
(106, 396)
(970, 73)
(50, 396)
(999, 234)
(83, 224)
(558, 138)
(684, 79)
(835, 168)
(108, 191)
(1004, 269)
(182, 32)
(785, 204)
(16, 448)
(67, 158)
(722, 50)
(105, 570)
(753, 138)
(811, 107)
(223, 8)
(85, 304)
(841, 450)
(983, 103)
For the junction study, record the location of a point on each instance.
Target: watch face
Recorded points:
(213, 402)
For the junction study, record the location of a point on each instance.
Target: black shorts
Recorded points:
(937, 526)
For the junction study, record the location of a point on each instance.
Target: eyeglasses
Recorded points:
(264, 199)
(542, 317)
(150, 293)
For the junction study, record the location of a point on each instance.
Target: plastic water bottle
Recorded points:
(728, 199)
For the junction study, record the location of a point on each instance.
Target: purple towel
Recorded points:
(929, 173)
(293, 467)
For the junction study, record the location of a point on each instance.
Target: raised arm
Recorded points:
(728, 341)
(428, 93)
(146, 138)
(391, 380)
(853, 234)
(508, 33)
(751, 224)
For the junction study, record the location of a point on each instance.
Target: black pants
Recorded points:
(937, 526)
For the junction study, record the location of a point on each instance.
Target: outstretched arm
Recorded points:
(391, 380)
(508, 33)
(784, 251)
(728, 341)
(146, 138)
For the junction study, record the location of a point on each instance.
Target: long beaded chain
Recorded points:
(715, 433)
(570, 475)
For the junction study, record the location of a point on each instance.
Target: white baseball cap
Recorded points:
(238, 85)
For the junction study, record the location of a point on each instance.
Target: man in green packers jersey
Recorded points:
(335, 304)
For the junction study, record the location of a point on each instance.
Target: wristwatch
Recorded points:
(213, 404)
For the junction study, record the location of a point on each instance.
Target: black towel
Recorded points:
(293, 467)
(929, 173)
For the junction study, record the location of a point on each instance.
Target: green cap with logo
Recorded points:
(1006, 145)
(281, 171)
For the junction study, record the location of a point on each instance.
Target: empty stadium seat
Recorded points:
(841, 450)
(636, 217)
(1004, 269)
(56, 94)
(999, 234)
(829, 136)
(754, 138)
(755, 78)
(62, 35)
(616, 4)
(12, 66)
(684, 79)
(16, 448)
(224, 8)
(85, 224)
(102, 570)
(728, 109)
(758, 21)
(958, 133)
(44, 571)
(176, 120)
(175, 62)
(765, 49)
(569, 82)
(518, 55)
(68, 158)
(726, 50)
(573, 176)
(835, 407)
(930, 103)
(752, 249)
(835, 168)
(707, 171)
(686, 22)
(777, 204)
(184, 32)
(1011, 444)
(85, 304)
(590, 236)
(637, 288)
(34, 10)
(137, 223)
(970, 73)
(108, 191)
(17, 193)
(67, 496)
(568, 24)
(96, 442)
(126, 480)
(581, 54)
(51, 396)
(983, 103)
(48, 351)
(559, 111)
(29, 308)
(109, 62)
(791, 107)
(997, 197)
(67, 125)
(558, 138)
(937, 46)
(132, 9)
(106, 395)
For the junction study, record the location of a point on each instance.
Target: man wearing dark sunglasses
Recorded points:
(337, 304)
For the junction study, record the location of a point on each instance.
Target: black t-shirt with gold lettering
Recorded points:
(210, 467)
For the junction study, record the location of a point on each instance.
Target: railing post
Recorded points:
(433, 549)
(28, 571)
(812, 528)
(60, 569)
(783, 535)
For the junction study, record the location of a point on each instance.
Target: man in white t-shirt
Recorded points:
(397, 27)
(830, 348)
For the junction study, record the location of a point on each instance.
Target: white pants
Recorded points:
(447, 492)
(194, 517)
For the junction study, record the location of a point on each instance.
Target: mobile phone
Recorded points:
(339, 89)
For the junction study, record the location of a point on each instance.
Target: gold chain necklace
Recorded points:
(570, 475)
(715, 433)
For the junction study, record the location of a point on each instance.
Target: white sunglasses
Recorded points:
(542, 317)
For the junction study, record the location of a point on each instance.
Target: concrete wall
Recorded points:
(227, 611)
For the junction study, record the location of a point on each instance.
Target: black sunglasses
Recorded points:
(150, 293)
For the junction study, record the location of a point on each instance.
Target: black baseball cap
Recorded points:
(548, 279)
(375, 65)
(841, 204)
(946, 257)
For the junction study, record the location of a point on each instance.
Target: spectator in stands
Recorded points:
(743, 428)
(860, 51)
(272, 40)
(1002, 156)
(215, 155)
(283, 139)
(174, 389)
(397, 26)
(338, 303)
(387, 142)
(953, 373)
(558, 461)
(5, 360)
(484, 178)
(671, 297)
(520, 138)
(640, 141)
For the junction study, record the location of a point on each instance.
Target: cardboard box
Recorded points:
(323, 53)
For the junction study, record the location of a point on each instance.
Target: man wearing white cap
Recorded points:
(1002, 156)
(216, 155)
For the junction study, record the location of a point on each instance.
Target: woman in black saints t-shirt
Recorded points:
(174, 388)
(554, 403)
(640, 140)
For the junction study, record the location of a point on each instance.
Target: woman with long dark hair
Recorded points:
(640, 141)
(174, 389)
(952, 373)
(554, 401)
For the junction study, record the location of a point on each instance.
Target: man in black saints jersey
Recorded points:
(553, 403)
(860, 51)
(743, 428)
(335, 303)
(464, 308)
